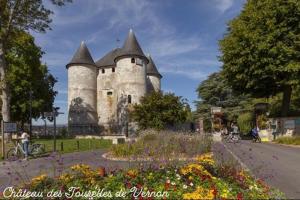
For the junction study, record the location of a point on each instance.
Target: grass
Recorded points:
(69, 145)
(295, 140)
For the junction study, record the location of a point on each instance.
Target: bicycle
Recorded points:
(232, 137)
(17, 152)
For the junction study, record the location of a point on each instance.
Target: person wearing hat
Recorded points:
(25, 143)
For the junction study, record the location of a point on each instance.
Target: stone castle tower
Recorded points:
(101, 94)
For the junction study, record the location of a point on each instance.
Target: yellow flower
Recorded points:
(38, 179)
(65, 178)
(199, 193)
(132, 173)
(189, 168)
(206, 158)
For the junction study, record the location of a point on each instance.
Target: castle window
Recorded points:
(113, 69)
(132, 60)
(103, 71)
(129, 99)
(109, 93)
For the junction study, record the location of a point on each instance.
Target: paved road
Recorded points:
(12, 173)
(278, 165)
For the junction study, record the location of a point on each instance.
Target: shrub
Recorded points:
(158, 110)
(245, 122)
(288, 140)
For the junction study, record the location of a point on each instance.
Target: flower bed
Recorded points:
(202, 179)
(152, 145)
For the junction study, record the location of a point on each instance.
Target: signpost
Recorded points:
(7, 127)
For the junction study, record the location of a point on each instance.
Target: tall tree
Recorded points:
(215, 91)
(261, 50)
(15, 16)
(26, 75)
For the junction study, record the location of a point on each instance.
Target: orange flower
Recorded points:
(101, 171)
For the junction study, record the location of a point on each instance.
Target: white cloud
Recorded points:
(192, 74)
(173, 45)
(223, 5)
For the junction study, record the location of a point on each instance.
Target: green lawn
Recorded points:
(288, 140)
(69, 145)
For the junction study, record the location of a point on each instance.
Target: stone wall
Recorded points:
(107, 99)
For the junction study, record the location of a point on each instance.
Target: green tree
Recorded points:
(261, 50)
(27, 74)
(16, 16)
(215, 92)
(158, 110)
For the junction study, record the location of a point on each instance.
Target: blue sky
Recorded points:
(181, 36)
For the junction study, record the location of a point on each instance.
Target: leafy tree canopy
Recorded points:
(17, 16)
(261, 50)
(26, 73)
(158, 110)
(215, 92)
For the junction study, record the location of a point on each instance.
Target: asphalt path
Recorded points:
(16, 172)
(278, 165)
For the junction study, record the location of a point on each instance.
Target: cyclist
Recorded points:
(254, 133)
(25, 144)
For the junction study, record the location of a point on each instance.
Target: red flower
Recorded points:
(167, 186)
(128, 185)
(239, 196)
(215, 192)
(139, 186)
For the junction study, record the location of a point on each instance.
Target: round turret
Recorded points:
(131, 75)
(153, 77)
(82, 89)
(131, 70)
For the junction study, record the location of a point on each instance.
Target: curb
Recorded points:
(285, 145)
(109, 157)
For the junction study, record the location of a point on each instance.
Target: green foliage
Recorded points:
(158, 110)
(19, 16)
(288, 140)
(260, 52)
(25, 74)
(245, 122)
(215, 91)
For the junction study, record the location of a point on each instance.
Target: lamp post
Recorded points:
(30, 113)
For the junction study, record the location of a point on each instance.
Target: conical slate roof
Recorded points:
(82, 56)
(108, 59)
(131, 47)
(151, 68)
